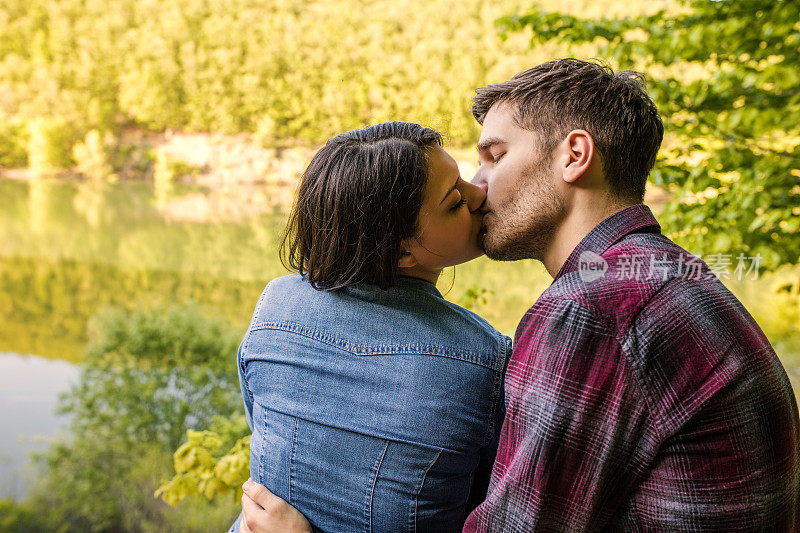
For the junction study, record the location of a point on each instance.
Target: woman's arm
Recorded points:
(263, 512)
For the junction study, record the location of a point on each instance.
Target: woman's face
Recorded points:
(449, 220)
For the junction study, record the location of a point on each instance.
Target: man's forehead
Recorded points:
(501, 125)
(498, 125)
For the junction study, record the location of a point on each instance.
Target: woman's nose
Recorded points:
(474, 195)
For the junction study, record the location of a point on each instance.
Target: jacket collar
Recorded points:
(633, 219)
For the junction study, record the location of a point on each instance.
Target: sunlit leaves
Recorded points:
(289, 71)
(725, 76)
(205, 466)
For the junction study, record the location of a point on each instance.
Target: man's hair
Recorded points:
(559, 96)
(358, 199)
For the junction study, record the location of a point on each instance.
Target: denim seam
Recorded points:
(413, 523)
(495, 386)
(492, 407)
(246, 340)
(361, 350)
(243, 367)
(497, 392)
(261, 457)
(253, 321)
(291, 460)
(382, 437)
(371, 491)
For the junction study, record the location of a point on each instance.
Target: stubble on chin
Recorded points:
(510, 242)
(526, 228)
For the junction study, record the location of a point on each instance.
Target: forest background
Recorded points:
(149, 151)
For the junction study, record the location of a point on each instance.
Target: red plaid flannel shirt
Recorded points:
(641, 395)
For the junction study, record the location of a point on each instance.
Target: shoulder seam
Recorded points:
(642, 390)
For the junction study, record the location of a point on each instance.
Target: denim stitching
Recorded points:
(383, 349)
(243, 367)
(261, 451)
(291, 460)
(413, 523)
(377, 436)
(371, 492)
(497, 392)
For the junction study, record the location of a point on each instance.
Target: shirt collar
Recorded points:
(369, 290)
(633, 219)
(427, 286)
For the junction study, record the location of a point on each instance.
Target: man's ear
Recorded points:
(407, 259)
(579, 151)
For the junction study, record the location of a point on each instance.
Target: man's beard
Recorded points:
(524, 229)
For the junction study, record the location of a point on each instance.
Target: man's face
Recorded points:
(524, 205)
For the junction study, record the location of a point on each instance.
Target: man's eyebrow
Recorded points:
(489, 142)
(451, 189)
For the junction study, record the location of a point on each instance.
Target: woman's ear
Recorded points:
(407, 259)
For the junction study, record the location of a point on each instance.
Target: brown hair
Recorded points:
(358, 199)
(559, 96)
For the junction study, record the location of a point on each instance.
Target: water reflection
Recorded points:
(29, 388)
(68, 249)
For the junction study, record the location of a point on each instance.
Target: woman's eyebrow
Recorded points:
(451, 189)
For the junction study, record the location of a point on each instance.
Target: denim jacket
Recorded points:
(372, 410)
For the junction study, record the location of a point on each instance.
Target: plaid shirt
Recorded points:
(641, 395)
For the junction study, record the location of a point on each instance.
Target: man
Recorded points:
(640, 394)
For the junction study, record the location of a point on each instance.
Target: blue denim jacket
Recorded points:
(372, 410)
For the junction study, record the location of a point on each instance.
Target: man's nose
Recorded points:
(479, 180)
(475, 196)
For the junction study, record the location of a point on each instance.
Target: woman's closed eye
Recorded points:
(458, 205)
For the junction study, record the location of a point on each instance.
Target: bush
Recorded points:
(13, 143)
(148, 377)
(23, 518)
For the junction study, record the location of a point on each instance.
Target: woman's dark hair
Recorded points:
(357, 200)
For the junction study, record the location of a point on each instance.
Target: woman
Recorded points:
(375, 404)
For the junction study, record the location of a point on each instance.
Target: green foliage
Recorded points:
(173, 363)
(167, 170)
(49, 145)
(25, 518)
(148, 377)
(282, 69)
(473, 296)
(13, 142)
(726, 77)
(208, 464)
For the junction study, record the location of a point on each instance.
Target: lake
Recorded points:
(29, 388)
(69, 248)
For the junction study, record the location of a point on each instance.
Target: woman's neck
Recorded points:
(431, 276)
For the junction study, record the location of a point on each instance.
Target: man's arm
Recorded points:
(578, 432)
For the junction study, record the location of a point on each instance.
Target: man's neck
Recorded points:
(580, 220)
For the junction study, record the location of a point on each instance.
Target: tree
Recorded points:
(148, 376)
(726, 79)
